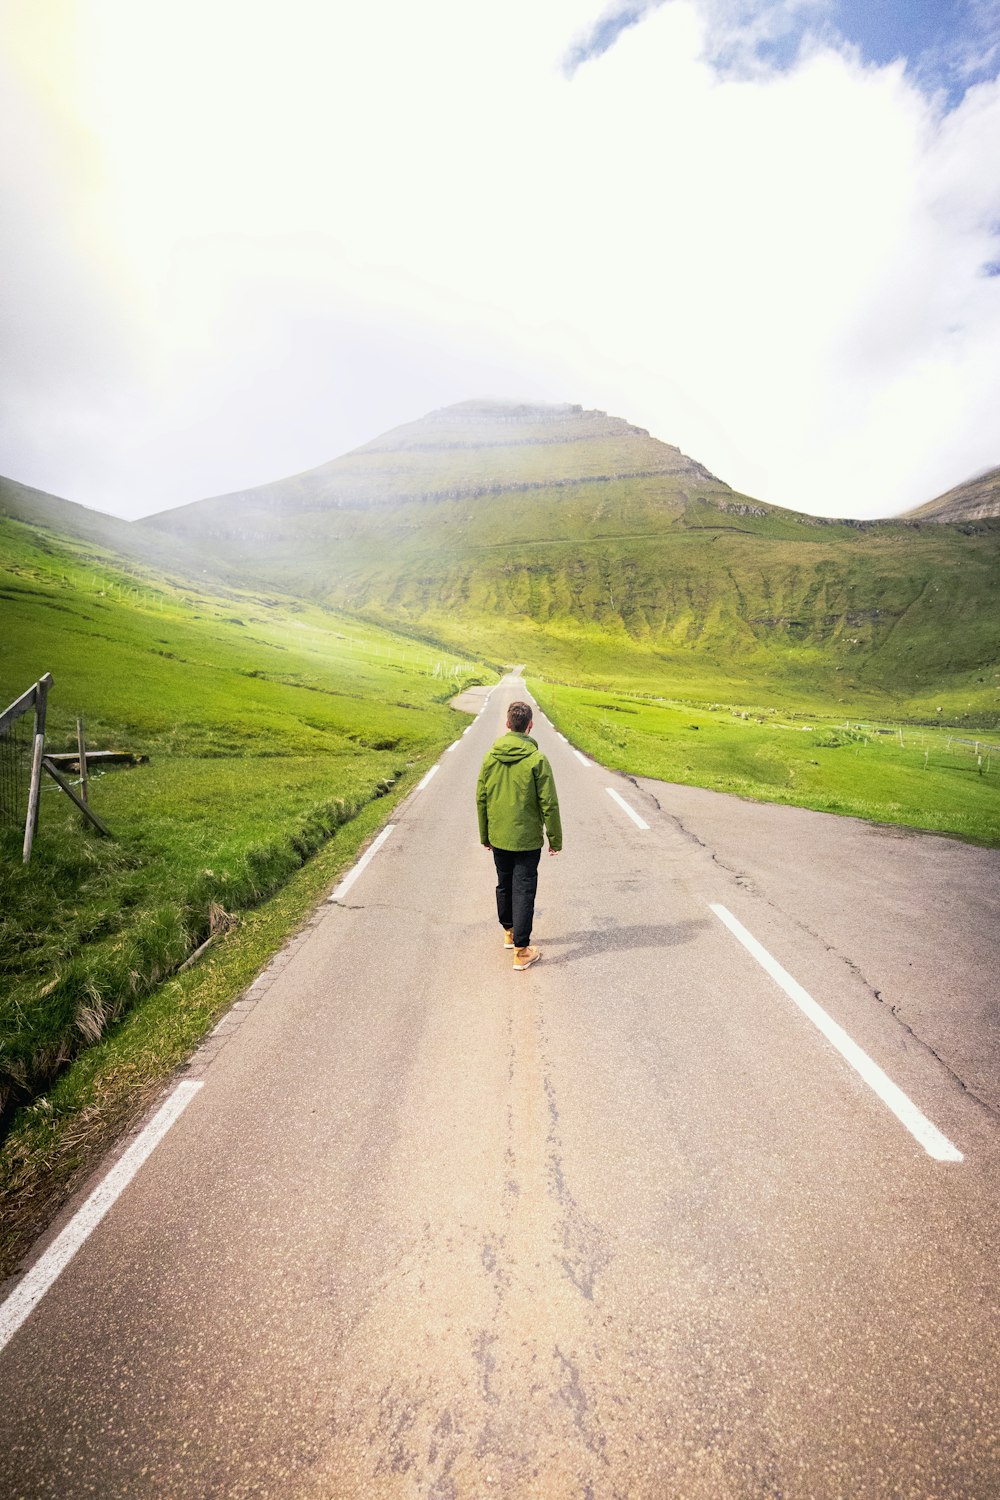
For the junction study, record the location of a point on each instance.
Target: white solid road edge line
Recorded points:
(934, 1143)
(32, 1287)
(639, 823)
(352, 875)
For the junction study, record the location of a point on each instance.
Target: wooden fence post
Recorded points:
(31, 822)
(34, 792)
(81, 745)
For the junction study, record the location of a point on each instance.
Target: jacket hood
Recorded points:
(514, 747)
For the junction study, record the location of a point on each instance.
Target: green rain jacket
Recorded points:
(516, 796)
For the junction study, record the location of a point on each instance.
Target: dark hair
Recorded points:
(519, 717)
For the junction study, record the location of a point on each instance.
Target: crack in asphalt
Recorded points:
(894, 1010)
(587, 1254)
(396, 907)
(575, 1398)
(742, 880)
(746, 883)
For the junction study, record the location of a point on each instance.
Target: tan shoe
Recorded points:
(525, 957)
(508, 937)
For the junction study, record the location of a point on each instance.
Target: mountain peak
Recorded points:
(473, 448)
(492, 422)
(502, 409)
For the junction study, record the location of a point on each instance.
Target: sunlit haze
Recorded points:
(240, 238)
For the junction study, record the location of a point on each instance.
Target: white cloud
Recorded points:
(285, 228)
(744, 37)
(604, 31)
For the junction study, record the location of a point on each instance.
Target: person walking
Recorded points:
(516, 799)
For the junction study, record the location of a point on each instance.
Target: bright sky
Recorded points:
(240, 237)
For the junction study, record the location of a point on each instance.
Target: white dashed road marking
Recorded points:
(639, 822)
(933, 1142)
(352, 875)
(32, 1288)
(582, 758)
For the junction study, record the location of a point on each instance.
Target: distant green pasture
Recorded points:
(163, 665)
(921, 777)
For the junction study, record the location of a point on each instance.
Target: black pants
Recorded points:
(517, 880)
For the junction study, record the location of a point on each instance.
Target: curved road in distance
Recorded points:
(627, 1226)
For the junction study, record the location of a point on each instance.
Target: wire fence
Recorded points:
(921, 738)
(938, 745)
(16, 740)
(22, 737)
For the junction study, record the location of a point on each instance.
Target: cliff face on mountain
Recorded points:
(977, 499)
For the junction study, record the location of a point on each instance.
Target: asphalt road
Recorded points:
(626, 1225)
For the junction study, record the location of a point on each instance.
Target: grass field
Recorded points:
(919, 776)
(267, 724)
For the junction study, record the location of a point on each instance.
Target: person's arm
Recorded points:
(548, 801)
(484, 828)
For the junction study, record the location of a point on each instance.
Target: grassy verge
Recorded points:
(919, 777)
(91, 925)
(55, 1141)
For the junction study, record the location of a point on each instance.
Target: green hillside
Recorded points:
(131, 544)
(268, 723)
(580, 544)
